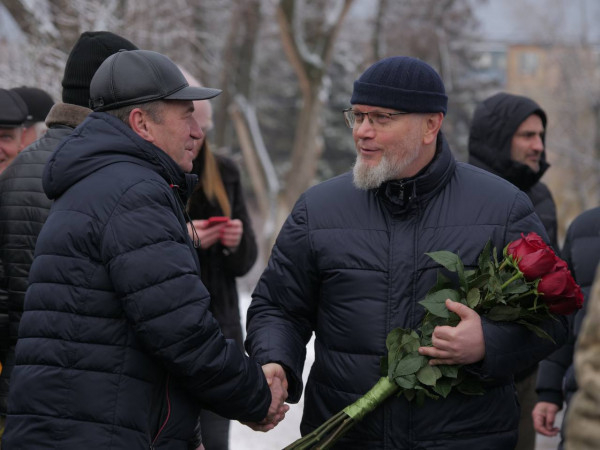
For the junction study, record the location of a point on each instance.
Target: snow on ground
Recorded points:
(243, 438)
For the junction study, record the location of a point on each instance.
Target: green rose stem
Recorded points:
(515, 277)
(334, 428)
(511, 279)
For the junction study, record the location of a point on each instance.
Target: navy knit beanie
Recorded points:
(90, 50)
(401, 83)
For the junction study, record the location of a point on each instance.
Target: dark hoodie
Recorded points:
(494, 124)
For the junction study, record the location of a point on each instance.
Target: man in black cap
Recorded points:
(117, 347)
(38, 104)
(23, 205)
(350, 265)
(507, 138)
(13, 113)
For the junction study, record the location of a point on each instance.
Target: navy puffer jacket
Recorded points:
(117, 348)
(350, 265)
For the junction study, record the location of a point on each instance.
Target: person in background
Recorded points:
(227, 249)
(23, 205)
(38, 104)
(556, 381)
(117, 348)
(507, 138)
(350, 264)
(582, 420)
(13, 113)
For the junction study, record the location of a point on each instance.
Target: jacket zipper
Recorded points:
(164, 424)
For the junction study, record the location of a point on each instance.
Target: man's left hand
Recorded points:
(462, 344)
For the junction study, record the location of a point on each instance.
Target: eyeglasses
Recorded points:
(376, 118)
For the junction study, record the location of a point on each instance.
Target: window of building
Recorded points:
(528, 63)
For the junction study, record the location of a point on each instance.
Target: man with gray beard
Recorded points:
(350, 264)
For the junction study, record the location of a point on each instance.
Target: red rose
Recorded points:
(560, 292)
(533, 256)
(561, 265)
(526, 244)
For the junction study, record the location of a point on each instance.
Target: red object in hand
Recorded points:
(217, 219)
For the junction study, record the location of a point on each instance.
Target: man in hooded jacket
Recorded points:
(117, 348)
(507, 138)
(503, 141)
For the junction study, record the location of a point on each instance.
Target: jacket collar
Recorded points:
(406, 193)
(66, 114)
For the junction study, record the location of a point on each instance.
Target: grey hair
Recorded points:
(153, 109)
(39, 128)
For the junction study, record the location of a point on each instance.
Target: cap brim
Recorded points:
(193, 93)
(11, 125)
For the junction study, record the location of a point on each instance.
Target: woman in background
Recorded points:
(227, 249)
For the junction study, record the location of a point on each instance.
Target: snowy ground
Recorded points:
(243, 438)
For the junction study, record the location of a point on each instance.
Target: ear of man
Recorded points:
(21, 138)
(141, 123)
(432, 125)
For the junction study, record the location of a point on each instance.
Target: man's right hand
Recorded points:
(544, 414)
(277, 381)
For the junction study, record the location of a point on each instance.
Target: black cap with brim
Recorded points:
(39, 103)
(13, 110)
(194, 93)
(141, 76)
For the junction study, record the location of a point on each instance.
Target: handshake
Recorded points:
(278, 385)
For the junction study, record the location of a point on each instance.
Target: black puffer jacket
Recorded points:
(350, 265)
(494, 124)
(23, 210)
(556, 378)
(220, 267)
(117, 348)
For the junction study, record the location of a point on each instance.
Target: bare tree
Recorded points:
(308, 46)
(237, 60)
(378, 42)
(50, 29)
(442, 33)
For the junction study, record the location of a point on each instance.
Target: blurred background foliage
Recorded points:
(287, 68)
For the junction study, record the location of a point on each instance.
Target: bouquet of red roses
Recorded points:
(527, 287)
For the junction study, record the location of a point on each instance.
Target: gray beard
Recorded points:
(366, 177)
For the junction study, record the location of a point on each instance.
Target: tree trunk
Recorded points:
(311, 70)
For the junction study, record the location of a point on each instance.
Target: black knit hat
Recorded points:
(401, 83)
(38, 103)
(90, 50)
